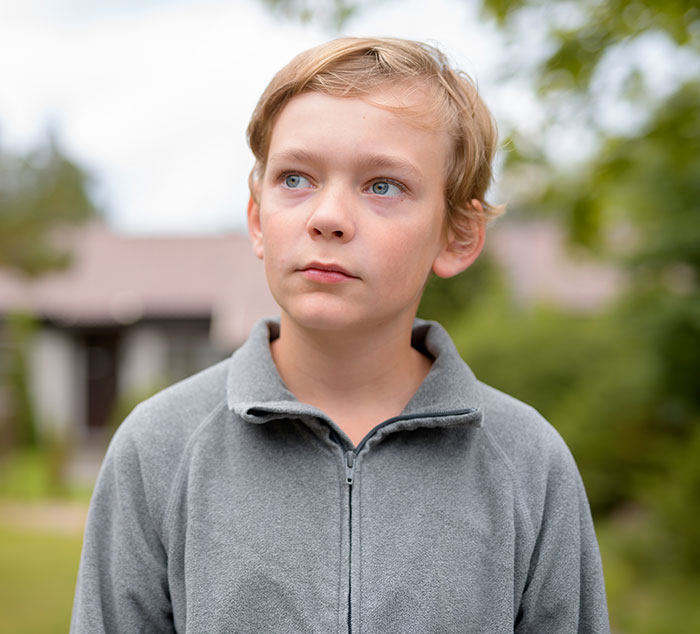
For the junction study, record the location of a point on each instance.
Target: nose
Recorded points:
(332, 218)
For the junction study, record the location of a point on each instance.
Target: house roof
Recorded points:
(540, 267)
(118, 279)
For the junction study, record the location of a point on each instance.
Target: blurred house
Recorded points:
(129, 315)
(132, 314)
(542, 269)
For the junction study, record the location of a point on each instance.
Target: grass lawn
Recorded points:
(30, 475)
(37, 580)
(40, 540)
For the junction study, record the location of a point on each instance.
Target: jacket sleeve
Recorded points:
(565, 590)
(122, 580)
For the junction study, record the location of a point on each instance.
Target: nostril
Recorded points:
(338, 234)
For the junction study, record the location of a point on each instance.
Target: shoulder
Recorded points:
(532, 451)
(519, 429)
(169, 418)
(152, 442)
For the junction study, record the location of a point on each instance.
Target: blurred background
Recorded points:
(124, 265)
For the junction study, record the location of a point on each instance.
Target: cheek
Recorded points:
(279, 250)
(273, 237)
(410, 256)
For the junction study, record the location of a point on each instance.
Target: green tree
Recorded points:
(39, 191)
(637, 200)
(333, 13)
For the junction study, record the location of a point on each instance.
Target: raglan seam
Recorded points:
(521, 505)
(147, 503)
(181, 470)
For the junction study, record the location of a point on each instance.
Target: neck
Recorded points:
(357, 378)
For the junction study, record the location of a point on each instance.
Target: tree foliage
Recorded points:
(638, 199)
(333, 13)
(583, 32)
(39, 191)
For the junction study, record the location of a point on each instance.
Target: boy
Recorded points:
(344, 471)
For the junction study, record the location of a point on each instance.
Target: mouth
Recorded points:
(329, 273)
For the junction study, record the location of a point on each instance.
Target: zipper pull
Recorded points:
(349, 466)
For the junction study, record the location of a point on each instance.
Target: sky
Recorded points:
(152, 97)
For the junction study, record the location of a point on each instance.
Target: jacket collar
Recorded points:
(255, 391)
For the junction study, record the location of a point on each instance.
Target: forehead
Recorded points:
(393, 121)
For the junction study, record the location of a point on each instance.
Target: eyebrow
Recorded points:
(371, 160)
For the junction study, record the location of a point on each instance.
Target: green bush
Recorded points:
(30, 475)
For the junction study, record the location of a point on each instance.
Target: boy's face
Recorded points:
(350, 211)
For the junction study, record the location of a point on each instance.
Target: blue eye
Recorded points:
(295, 181)
(385, 188)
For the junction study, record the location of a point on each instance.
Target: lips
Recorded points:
(331, 268)
(320, 272)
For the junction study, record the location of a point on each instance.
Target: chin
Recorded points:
(324, 315)
(326, 321)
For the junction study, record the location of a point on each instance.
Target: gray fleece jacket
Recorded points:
(226, 505)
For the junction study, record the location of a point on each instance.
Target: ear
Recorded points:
(456, 255)
(254, 227)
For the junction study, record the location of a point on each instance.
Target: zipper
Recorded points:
(349, 466)
(349, 476)
(350, 457)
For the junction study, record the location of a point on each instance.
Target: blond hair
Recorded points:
(355, 67)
